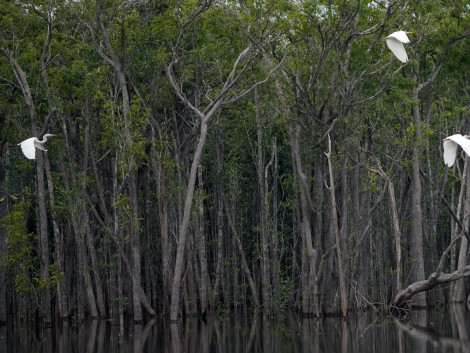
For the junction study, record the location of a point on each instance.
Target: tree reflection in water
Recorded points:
(445, 330)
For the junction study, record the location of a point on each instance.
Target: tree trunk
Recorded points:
(220, 231)
(3, 245)
(309, 300)
(459, 295)
(62, 292)
(157, 162)
(176, 287)
(266, 289)
(204, 283)
(395, 223)
(274, 223)
(342, 285)
(246, 268)
(416, 216)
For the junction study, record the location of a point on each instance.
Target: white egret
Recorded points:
(395, 44)
(450, 147)
(29, 146)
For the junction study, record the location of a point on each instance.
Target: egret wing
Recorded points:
(450, 151)
(397, 48)
(400, 36)
(456, 139)
(28, 148)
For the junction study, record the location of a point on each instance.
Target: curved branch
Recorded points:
(433, 280)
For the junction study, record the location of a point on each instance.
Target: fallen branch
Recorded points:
(433, 280)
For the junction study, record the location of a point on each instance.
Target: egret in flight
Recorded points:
(450, 147)
(29, 146)
(395, 44)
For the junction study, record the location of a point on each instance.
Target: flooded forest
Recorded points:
(215, 156)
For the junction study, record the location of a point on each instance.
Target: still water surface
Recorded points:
(444, 330)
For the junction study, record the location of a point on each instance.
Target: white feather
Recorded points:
(450, 147)
(28, 147)
(395, 44)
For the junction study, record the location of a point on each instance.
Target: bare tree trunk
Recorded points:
(309, 299)
(342, 286)
(266, 289)
(86, 219)
(204, 283)
(175, 291)
(220, 231)
(76, 209)
(190, 277)
(395, 222)
(3, 245)
(246, 268)
(274, 225)
(416, 216)
(157, 162)
(459, 294)
(454, 227)
(62, 292)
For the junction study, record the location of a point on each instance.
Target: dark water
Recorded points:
(444, 330)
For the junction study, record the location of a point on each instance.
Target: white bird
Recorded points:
(450, 147)
(395, 44)
(29, 146)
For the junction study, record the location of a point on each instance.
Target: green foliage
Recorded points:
(21, 255)
(338, 78)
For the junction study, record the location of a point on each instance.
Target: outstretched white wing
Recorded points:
(400, 36)
(28, 148)
(397, 48)
(450, 147)
(395, 44)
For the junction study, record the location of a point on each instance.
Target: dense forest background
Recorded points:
(214, 155)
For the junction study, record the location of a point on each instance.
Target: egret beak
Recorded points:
(52, 135)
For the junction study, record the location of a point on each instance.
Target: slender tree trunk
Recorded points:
(62, 292)
(76, 209)
(176, 287)
(342, 285)
(3, 245)
(459, 294)
(396, 230)
(220, 228)
(395, 224)
(246, 268)
(274, 225)
(204, 284)
(266, 289)
(309, 299)
(416, 216)
(190, 277)
(454, 227)
(157, 162)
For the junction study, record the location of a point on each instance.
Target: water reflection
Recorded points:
(447, 330)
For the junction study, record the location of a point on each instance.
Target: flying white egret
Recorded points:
(29, 146)
(395, 44)
(450, 147)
